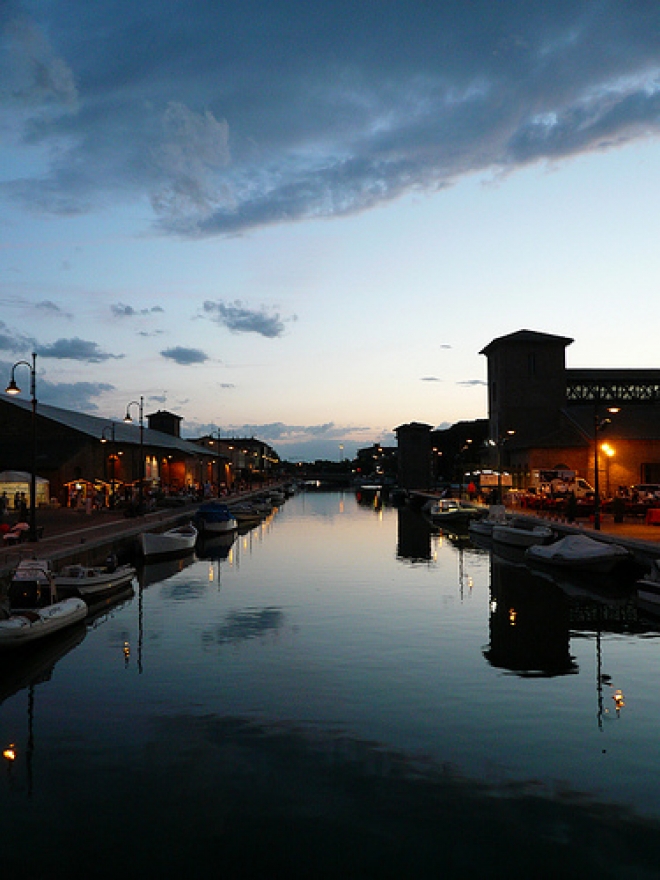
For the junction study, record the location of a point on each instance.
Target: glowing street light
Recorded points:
(113, 459)
(599, 425)
(13, 388)
(128, 420)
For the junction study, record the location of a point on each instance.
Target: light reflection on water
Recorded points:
(352, 690)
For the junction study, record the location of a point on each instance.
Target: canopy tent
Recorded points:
(12, 482)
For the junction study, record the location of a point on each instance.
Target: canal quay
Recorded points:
(345, 690)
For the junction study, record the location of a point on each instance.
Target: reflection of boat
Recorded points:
(518, 535)
(214, 517)
(161, 570)
(216, 546)
(648, 587)
(579, 553)
(35, 662)
(35, 611)
(452, 510)
(99, 610)
(174, 542)
(247, 514)
(88, 582)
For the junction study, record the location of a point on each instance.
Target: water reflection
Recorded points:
(249, 623)
(529, 624)
(414, 536)
(34, 664)
(156, 572)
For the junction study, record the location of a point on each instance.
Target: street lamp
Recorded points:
(214, 437)
(13, 388)
(501, 440)
(128, 420)
(113, 458)
(599, 425)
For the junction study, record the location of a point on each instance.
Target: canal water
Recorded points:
(343, 691)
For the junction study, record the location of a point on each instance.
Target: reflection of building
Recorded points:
(414, 536)
(529, 624)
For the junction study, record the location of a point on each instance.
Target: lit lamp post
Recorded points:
(599, 424)
(13, 388)
(128, 420)
(501, 440)
(213, 439)
(113, 458)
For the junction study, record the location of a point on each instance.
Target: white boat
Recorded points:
(648, 587)
(484, 526)
(34, 610)
(173, 542)
(516, 535)
(215, 518)
(579, 553)
(452, 510)
(90, 581)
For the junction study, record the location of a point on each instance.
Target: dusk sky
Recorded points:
(303, 221)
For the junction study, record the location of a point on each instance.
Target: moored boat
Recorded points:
(92, 581)
(579, 553)
(452, 511)
(214, 517)
(35, 610)
(648, 586)
(484, 526)
(517, 535)
(174, 542)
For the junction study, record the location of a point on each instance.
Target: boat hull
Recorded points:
(92, 582)
(25, 627)
(174, 542)
(519, 537)
(579, 553)
(214, 518)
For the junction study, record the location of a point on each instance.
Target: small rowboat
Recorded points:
(173, 542)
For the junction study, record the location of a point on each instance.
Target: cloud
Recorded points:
(121, 310)
(302, 442)
(430, 379)
(52, 308)
(185, 356)
(239, 319)
(76, 350)
(469, 383)
(78, 396)
(32, 72)
(14, 342)
(223, 126)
